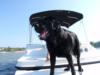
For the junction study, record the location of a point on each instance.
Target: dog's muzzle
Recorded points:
(43, 35)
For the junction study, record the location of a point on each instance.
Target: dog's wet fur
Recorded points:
(60, 42)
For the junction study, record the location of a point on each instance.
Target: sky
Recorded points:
(14, 19)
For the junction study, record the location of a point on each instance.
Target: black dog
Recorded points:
(60, 42)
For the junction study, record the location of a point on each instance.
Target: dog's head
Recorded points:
(47, 27)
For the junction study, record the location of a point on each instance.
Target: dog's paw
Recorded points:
(80, 70)
(67, 69)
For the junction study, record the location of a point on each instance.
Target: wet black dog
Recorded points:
(60, 42)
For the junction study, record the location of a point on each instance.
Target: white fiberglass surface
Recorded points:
(93, 69)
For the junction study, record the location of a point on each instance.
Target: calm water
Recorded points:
(8, 62)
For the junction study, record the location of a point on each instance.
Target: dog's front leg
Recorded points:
(52, 62)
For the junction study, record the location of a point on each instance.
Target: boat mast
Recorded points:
(85, 32)
(30, 34)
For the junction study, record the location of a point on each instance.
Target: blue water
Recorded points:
(7, 68)
(8, 61)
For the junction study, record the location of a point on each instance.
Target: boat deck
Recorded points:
(91, 69)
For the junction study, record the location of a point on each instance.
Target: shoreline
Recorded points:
(19, 51)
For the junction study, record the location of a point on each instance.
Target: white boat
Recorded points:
(34, 61)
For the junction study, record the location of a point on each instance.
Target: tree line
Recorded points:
(11, 49)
